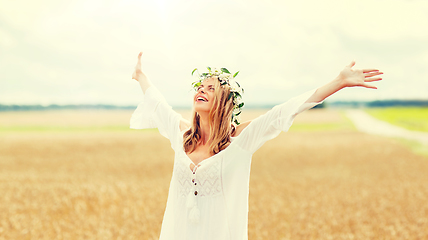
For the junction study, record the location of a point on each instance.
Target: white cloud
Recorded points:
(6, 39)
(77, 51)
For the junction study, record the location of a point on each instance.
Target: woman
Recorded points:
(208, 195)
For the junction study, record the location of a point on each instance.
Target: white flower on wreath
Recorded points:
(236, 110)
(234, 87)
(215, 71)
(224, 76)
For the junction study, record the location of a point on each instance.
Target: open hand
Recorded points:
(359, 77)
(138, 73)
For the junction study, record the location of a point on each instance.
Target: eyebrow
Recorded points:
(202, 85)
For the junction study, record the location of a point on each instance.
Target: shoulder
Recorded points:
(241, 128)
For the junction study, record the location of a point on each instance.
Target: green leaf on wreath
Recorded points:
(225, 70)
(194, 71)
(234, 75)
(230, 95)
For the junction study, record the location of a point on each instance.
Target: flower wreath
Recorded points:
(225, 77)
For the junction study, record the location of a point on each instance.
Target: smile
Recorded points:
(201, 99)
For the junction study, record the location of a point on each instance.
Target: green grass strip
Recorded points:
(53, 129)
(414, 118)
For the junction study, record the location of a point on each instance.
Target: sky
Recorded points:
(84, 51)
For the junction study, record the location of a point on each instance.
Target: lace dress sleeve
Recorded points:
(154, 112)
(278, 119)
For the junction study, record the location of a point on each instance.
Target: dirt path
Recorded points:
(366, 123)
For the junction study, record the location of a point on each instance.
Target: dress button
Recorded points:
(196, 193)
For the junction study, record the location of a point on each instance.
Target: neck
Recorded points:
(205, 127)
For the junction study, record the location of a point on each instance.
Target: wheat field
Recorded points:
(113, 184)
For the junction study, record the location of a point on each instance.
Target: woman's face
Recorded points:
(204, 97)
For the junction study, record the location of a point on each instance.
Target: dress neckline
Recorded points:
(232, 140)
(203, 162)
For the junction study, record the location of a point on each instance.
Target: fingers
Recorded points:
(369, 86)
(370, 77)
(139, 57)
(373, 79)
(351, 64)
(371, 74)
(138, 66)
(370, 70)
(137, 70)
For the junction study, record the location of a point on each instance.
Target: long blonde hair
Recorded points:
(221, 128)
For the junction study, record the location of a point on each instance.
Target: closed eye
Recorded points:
(210, 87)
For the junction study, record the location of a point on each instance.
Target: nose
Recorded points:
(201, 90)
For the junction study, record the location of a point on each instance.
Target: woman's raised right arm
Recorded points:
(140, 76)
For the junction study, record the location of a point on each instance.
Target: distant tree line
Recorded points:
(380, 103)
(60, 107)
(398, 103)
(347, 104)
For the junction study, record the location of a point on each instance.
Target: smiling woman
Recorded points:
(208, 195)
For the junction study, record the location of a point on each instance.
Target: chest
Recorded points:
(199, 154)
(203, 177)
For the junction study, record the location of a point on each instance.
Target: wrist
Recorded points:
(140, 77)
(339, 82)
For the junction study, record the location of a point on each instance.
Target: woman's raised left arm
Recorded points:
(348, 77)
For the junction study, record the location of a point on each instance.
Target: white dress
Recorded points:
(211, 202)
